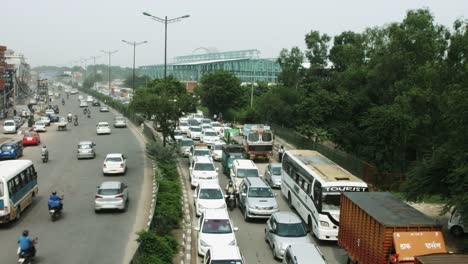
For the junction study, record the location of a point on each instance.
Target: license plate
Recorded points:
(29, 138)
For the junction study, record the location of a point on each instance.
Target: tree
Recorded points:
(317, 46)
(291, 66)
(140, 81)
(220, 91)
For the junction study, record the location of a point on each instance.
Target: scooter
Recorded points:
(55, 213)
(45, 158)
(89, 114)
(75, 122)
(69, 119)
(25, 258)
(231, 201)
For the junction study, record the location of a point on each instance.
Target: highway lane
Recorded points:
(250, 237)
(80, 236)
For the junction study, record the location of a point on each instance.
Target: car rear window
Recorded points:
(114, 159)
(202, 152)
(29, 135)
(108, 191)
(217, 226)
(204, 167)
(195, 129)
(210, 194)
(7, 147)
(210, 134)
(103, 125)
(84, 146)
(186, 143)
(9, 123)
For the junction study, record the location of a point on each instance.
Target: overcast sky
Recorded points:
(56, 32)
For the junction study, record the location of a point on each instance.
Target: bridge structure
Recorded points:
(245, 64)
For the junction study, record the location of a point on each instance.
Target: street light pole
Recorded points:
(95, 72)
(165, 21)
(109, 53)
(134, 44)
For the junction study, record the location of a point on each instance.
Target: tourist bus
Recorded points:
(18, 186)
(312, 184)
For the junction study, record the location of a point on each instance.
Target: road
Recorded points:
(250, 237)
(80, 236)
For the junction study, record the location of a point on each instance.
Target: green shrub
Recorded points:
(157, 248)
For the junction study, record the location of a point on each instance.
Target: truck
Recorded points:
(257, 140)
(442, 258)
(231, 153)
(378, 228)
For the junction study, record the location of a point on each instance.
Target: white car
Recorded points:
(49, 112)
(178, 135)
(217, 127)
(224, 254)
(202, 170)
(209, 136)
(39, 126)
(194, 132)
(114, 163)
(89, 99)
(103, 128)
(73, 91)
(215, 228)
(205, 126)
(111, 195)
(83, 103)
(198, 150)
(217, 150)
(120, 121)
(184, 127)
(46, 120)
(9, 126)
(208, 195)
(80, 97)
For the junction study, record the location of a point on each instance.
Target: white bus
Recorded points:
(312, 184)
(18, 187)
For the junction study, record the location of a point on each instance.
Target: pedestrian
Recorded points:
(280, 153)
(14, 112)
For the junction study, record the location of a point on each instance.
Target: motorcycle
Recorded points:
(75, 123)
(89, 114)
(231, 200)
(26, 258)
(45, 158)
(69, 118)
(63, 102)
(55, 212)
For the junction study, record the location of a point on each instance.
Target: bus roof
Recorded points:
(322, 167)
(10, 168)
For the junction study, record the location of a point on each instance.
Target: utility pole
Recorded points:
(95, 72)
(109, 53)
(134, 44)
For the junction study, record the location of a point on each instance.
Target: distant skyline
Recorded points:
(57, 32)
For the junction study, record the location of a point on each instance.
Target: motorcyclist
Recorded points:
(26, 245)
(44, 151)
(63, 101)
(55, 201)
(230, 190)
(75, 118)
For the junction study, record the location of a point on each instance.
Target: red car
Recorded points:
(31, 138)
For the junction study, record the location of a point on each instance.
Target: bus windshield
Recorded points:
(330, 202)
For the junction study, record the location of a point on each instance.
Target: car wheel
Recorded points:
(457, 231)
(246, 216)
(96, 211)
(18, 213)
(275, 256)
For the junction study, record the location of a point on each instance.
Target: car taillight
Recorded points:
(98, 196)
(119, 196)
(121, 165)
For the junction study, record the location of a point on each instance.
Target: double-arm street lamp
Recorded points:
(165, 21)
(134, 44)
(109, 53)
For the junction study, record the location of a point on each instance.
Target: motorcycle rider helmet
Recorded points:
(54, 192)
(25, 233)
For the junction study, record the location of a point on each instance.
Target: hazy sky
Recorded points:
(56, 32)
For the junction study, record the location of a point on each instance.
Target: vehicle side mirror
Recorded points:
(226, 196)
(244, 194)
(217, 169)
(196, 228)
(276, 195)
(236, 229)
(194, 195)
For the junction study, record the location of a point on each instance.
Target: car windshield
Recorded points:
(218, 147)
(103, 125)
(183, 124)
(195, 129)
(330, 202)
(204, 167)
(276, 170)
(291, 230)
(210, 194)
(215, 226)
(7, 147)
(193, 122)
(84, 146)
(206, 121)
(227, 261)
(108, 191)
(177, 133)
(211, 134)
(10, 123)
(29, 135)
(215, 124)
(202, 152)
(114, 159)
(186, 143)
(260, 192)
(241, 173)
(119, 119)
(39, 124)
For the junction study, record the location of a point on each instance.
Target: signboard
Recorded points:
(411, 244)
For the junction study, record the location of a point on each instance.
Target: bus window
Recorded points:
(17, 183)
(318, 195)
(24, 178)
(11, 188)
(1, 189)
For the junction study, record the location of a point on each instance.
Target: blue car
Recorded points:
(11, 150)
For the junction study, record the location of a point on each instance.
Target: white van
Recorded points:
(242, 168)
(9, 126)
(223, 254)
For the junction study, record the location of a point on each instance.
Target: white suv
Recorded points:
(242, 168)
(209, 136)
(202, 169)
(215, 228)
(223, 254)
(208, 195)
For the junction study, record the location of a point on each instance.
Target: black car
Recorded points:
(56, 109)
(96, 103)
(54, 118)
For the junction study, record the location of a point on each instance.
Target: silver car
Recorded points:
(120, 121)
(273, 175)
(284, 229)
(86, 150)
(256, 199)
(111, 195)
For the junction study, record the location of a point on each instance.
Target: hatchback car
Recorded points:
(96, 103)
(19, 121)
(114, 163)
(194, 132)
(303, 253)
(50, 112)
(25, 113)
(256, 199)
(31, 138)
(39, 126)
(83, 104)
(120, 121)
(284, 229)
(103, 128)
(11, 150)
(217, 150)
(54, 118)
(46, 120)
(9, 126)
(273, 175)
(104, 109)
(215, 228)
(208, 195)
(184, 127)
(86, 150)
(185, 146)
(111, 195)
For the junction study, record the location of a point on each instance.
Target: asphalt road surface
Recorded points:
(251, 236)
(80, 235)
